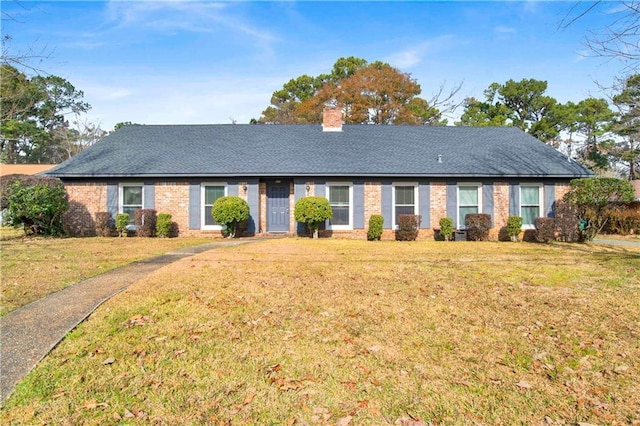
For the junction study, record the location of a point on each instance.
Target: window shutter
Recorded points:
(387, 214)
(514, 199)
(232, 187)
(487, 200)
(149, 193)
(550, 200)
(112, 199)
(452, 203)
(194, 205)
(358, 205)
(299, 191)
(424, 194)
(253, 199)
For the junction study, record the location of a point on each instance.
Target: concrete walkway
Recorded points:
(28, 334)
(616, 242)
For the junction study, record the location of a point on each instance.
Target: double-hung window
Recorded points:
(210, 193)
(530, 204)
(341, 200)
(469, 202)
(131, 199)
(405, 200)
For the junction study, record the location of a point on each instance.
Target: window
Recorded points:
(469, 201)
(404, 200)
(210, 193)
(131, 196)
(530, 204)
(341, 200)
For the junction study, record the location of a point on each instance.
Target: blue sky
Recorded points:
(184, 62)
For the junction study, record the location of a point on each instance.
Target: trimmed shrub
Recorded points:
(446, 228)
(312, 211)
(623, 219)
(408, 227)
(145, 220)
(163, 225)
(514, 227)
(230, 211)
(38, 207)
(122, 221)
(567, 223)
(478, 226)
(545, 229)
(105, 225)
(592, 197)
(376, 223)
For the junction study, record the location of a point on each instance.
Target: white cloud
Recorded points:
(187, 16)
(193, 99)
(414, 55)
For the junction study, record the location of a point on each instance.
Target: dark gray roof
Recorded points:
(305, 150)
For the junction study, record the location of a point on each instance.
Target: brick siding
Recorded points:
(438, 202)
(87, 199)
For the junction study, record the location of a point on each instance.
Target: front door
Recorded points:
(277, 207)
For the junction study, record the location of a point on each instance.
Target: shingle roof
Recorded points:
(305, 150)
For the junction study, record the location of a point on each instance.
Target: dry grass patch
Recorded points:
(35, 267)
(340, 332)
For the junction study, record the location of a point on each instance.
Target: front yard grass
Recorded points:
(350, 332)
(35, 267)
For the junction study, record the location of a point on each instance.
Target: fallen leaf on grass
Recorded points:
(524, 385)
(621, 369)
(249, 398)
(344, 421)
(350, 385)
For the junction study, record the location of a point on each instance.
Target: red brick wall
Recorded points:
(438, 202)
(372, 201)
(85, 200)
(173, 198)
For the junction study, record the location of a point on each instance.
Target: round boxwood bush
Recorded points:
(230, 211)
(312, 211)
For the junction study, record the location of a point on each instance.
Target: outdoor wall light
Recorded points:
(308, 188)
(244, 188)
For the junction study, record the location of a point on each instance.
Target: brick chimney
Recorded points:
(332, 119)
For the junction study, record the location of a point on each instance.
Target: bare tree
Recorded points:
(620, 38)
(29, 59)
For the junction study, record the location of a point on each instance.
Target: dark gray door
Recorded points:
(278, 207)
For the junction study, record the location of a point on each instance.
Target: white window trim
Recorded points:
(348, 227)
(540, 202)
(121, 194)
(416, 207)
(202, 206)
(461, 224)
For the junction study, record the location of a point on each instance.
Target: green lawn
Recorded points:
(297, 331)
